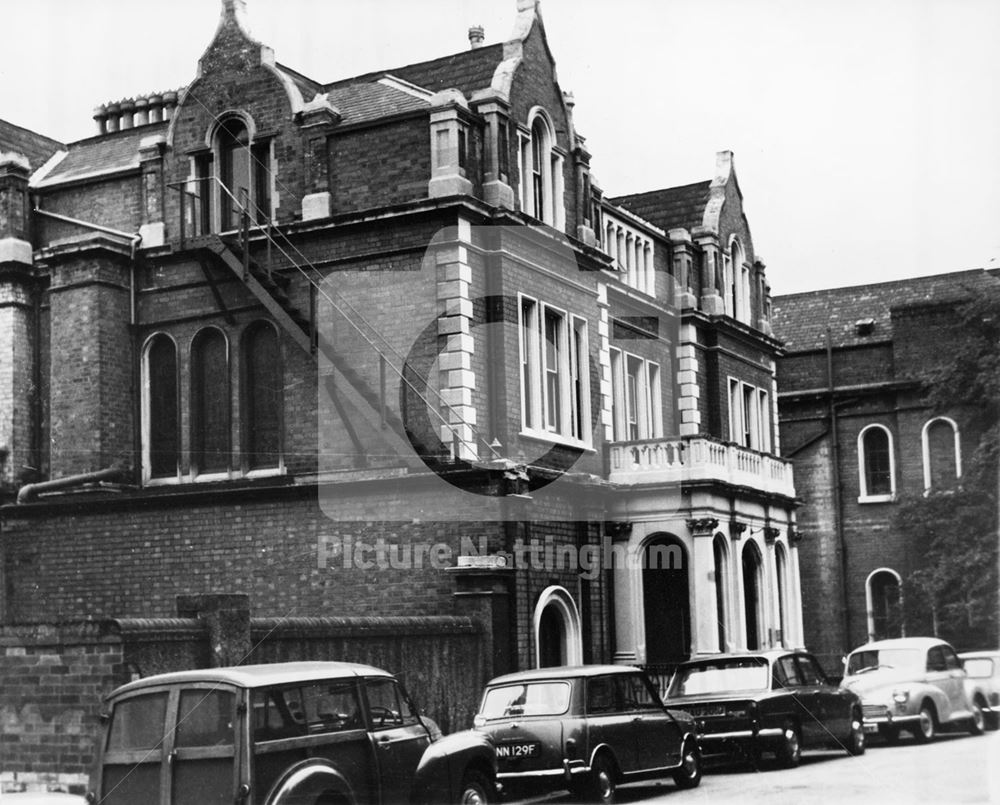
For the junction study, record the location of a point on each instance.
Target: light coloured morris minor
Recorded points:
(302, 733)
(916, 684)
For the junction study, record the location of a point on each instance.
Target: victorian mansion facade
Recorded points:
(258, 325)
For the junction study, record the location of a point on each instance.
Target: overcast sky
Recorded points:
(866, 133)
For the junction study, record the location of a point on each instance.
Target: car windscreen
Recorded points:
(721, 676)
(526, 699)
(864, 660)
(979, 667)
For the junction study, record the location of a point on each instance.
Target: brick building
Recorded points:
(856, 425)
(372, 357)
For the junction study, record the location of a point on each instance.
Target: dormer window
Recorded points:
(541, 172)
(232, 176)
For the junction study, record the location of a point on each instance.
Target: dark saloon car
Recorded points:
(769, 701)
(585, 729)
(299, 733)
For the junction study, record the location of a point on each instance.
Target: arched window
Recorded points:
(262, 396)
(541, 172)
(753, 588)
(883, 594)
(161, 432)
(210, 439)
(876, 464)
(781, 573)
(232, 175)
(557, 629)
(720, 553)
(942, 451)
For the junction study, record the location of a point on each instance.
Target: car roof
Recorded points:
(562, 672)
(903, 642)
(255, 676)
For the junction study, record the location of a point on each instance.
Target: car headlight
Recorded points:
(901, 696)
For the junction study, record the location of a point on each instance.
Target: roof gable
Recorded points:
(670, 208)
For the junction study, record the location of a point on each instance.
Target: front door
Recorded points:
(666, 603)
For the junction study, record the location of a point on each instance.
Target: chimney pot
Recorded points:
(476, 36)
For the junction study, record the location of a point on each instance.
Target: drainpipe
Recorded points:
(29, 492)
(838, 491)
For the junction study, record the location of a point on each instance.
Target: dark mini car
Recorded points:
(585, 729)
(769, 701)
(301, 733)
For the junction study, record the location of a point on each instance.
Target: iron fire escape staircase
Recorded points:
(347, 388)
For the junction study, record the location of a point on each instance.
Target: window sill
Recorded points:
(877, 499)
(556, 439)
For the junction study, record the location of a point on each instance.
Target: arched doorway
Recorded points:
(557, 629)
(666, 601)
(752, 596)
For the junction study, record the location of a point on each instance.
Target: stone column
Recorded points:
(497, 189)
(711, 301)
(683, 265)
(449, 145)
(705, 632)
(227, 625)
(151, 151)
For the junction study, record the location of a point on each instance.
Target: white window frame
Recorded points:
(552, 207)
(749, 426)
(572, 372)
(869, 604)
(926, 448)
(864, 496)
(649, 397)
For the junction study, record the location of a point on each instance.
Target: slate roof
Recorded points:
(358, 103)
(467, 71)
(101, 155)
(800, 320)
(671, 207)
(36, 147)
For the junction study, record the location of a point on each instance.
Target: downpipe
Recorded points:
(30, 492)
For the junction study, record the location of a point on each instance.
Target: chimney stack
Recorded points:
(476, 35)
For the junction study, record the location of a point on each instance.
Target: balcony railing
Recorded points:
(691, 459)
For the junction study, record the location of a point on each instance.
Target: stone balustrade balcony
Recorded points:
(697, 459)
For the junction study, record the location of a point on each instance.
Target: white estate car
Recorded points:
(916, 684)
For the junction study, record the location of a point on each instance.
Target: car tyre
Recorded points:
(857, 741)
(689, 773)
(789, 753)
(600, 785)
(926, 727)
(977, 723)
(475, 789)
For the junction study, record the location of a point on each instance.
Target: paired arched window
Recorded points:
(876, 464)
(883, 592)
(262, 393)
(557, 629)
(942, 453)
(210, 395)
(161, 404)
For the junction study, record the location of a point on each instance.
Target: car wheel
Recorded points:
(600, 785)
(475, 789)
(856, 741)
(790, 752)
(977, 723)
(926, 727)
(689, 773)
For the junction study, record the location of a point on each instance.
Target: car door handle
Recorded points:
(384, 742)
(636, 718)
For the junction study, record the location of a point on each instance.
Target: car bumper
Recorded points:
(885, 721)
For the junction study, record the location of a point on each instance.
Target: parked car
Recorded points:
(916, 684)
(982, 684)
(41, 798)
(302, 733)
(585, 729)
(768, 701)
